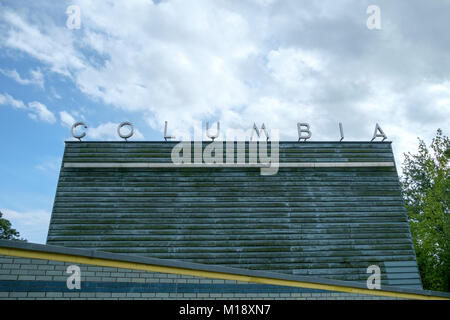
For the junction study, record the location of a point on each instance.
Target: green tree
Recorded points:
(426, 191)
(6, 232)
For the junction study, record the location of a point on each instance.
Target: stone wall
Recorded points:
(22, 278)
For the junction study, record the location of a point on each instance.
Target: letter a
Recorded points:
(74, 280)
(378, 133)
(181, 147)
(373, 21)
(374, 280)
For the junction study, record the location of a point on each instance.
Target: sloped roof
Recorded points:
(263, 280)
(329, 221)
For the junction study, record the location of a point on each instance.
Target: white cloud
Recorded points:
(40, 111)
(66, 119)
(54, 49)
(37, 110)
(277, 62)
(31, 224)
(6, 99)
(37, 78)
(108, 131)
(295, 67)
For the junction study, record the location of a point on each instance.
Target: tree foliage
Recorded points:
(426, 191)
(6, 232)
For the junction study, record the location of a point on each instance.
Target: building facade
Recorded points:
(331, 211)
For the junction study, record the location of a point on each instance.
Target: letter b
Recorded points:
(303, 128)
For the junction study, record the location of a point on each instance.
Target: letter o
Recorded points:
(125, 136)
(78, 136)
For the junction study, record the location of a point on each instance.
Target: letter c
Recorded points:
(78, 136)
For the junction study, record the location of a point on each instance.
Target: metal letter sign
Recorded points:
(165, 133)
(210, 135)
(304, 133)
(341, 131)
(125, 136)
(78, 136)
(258, 132)
(301, 130)
(378, 135)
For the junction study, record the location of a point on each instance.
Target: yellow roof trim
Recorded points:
(24, 253)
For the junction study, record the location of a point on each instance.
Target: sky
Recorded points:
(277, 62)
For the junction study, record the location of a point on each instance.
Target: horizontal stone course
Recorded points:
(29, 266)
(4, 260)
(27, 283)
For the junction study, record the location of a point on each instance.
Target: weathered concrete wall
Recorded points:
(328, 222)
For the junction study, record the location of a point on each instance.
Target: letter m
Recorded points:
(258, 131)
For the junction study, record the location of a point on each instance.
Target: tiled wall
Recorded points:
(44, 279)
